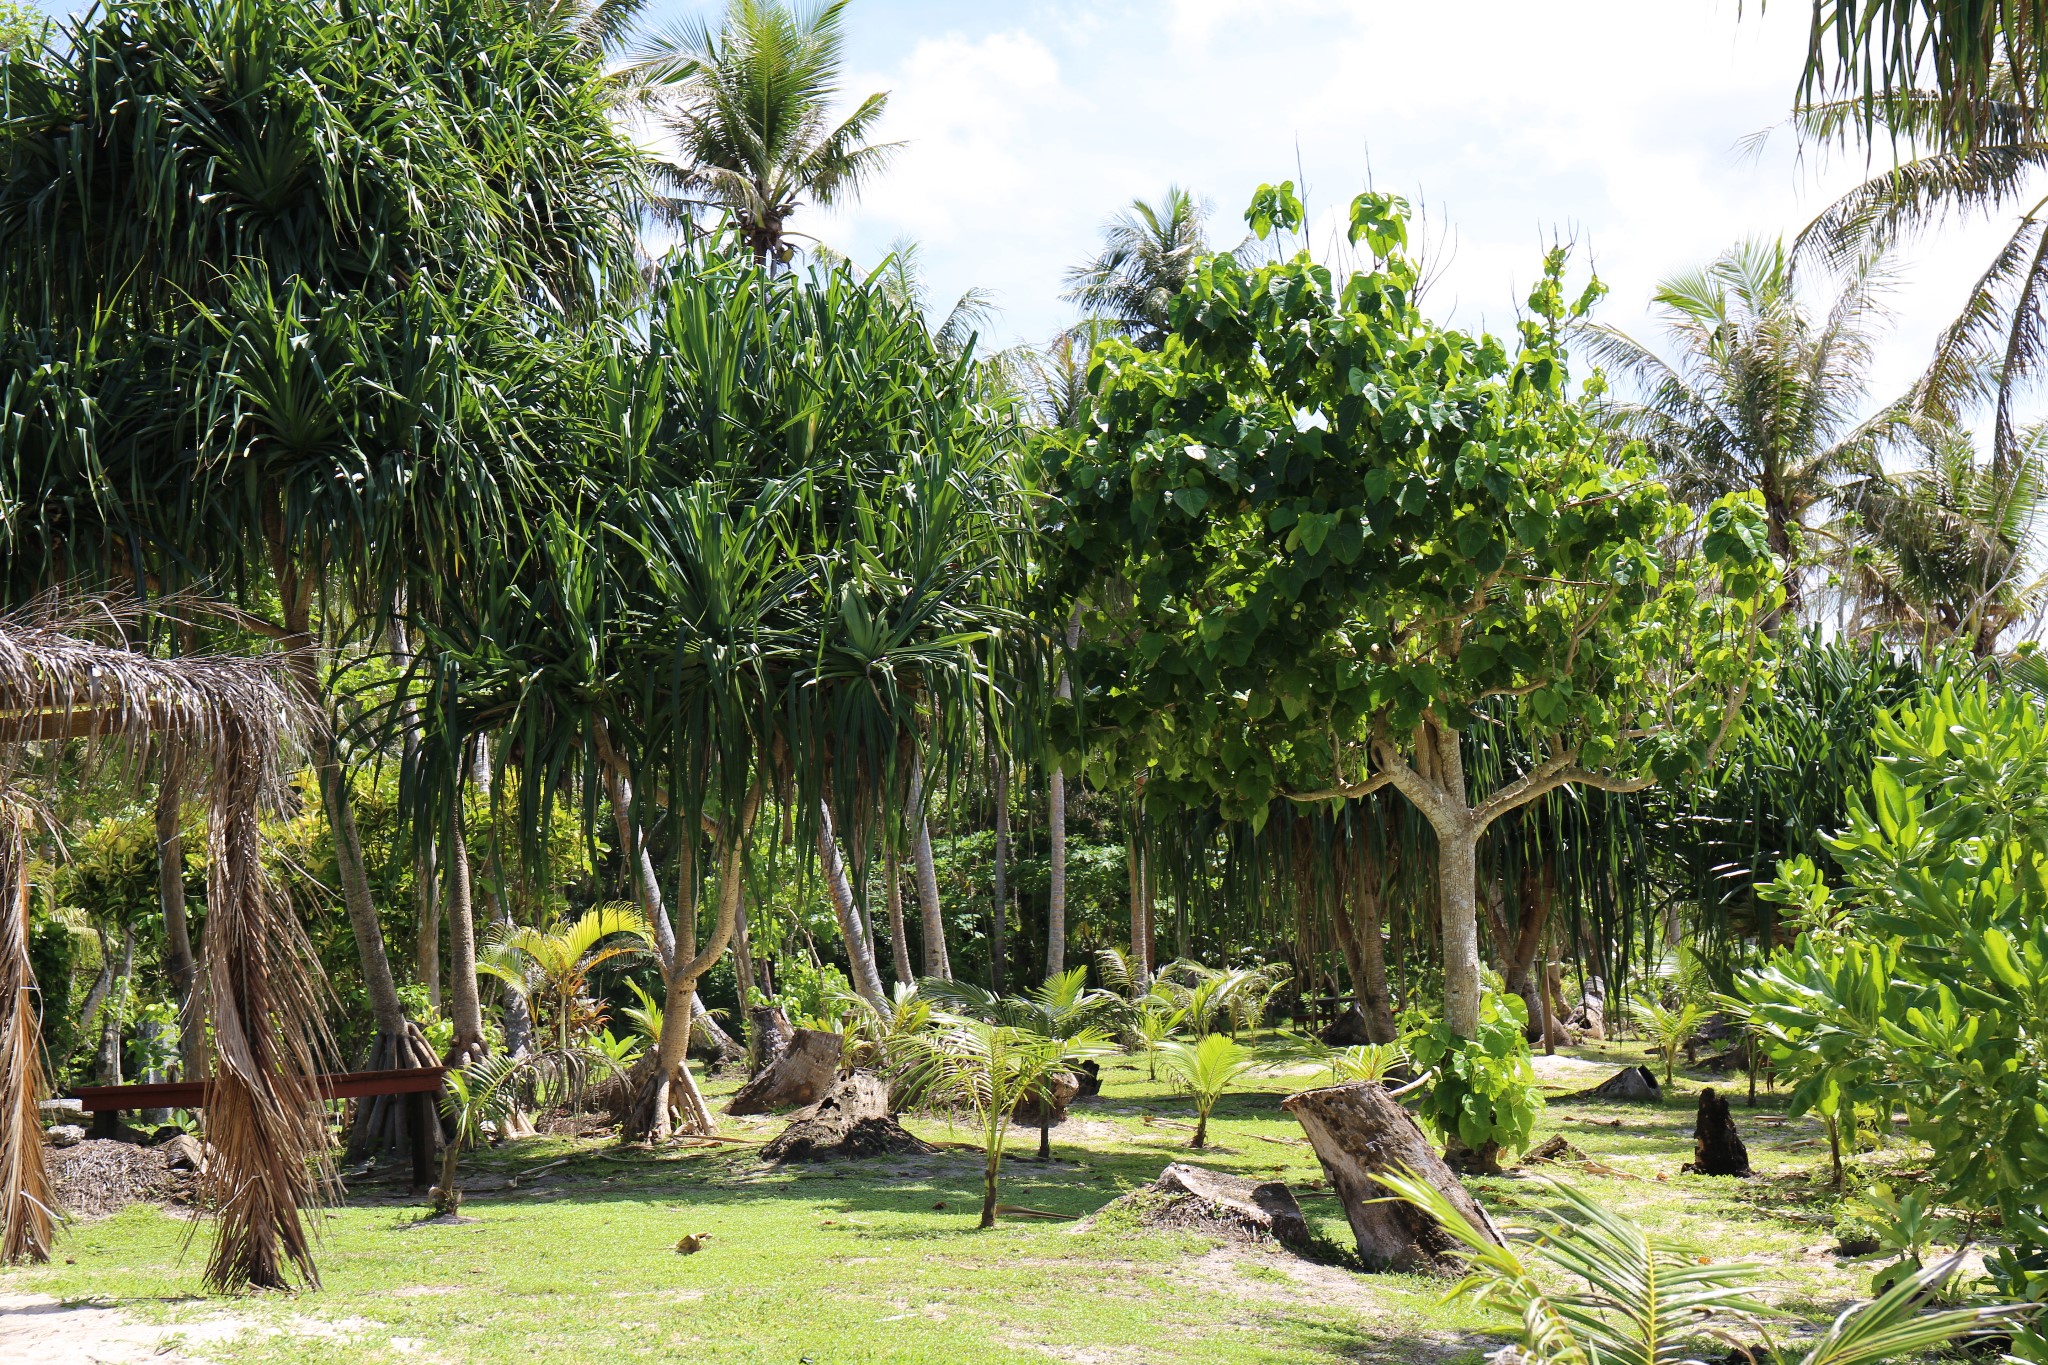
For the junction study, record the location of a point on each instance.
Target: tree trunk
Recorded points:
(892, 893)
(799, 1075)
(109, 1059)
(867, 981)
(518, 1016)
(1518, 974)
(743, 956)
(96, 994)
(427, 888)
(999, 908)
(1056, 893)
(646, 887)
(1359, 1131)
(1458, 887)
(937, 961)
(932, 924)
(1358, 938)
(990, 1169)
(1717, 1148)
(1056, 835)
(672, 1084)
(180, 964)
(1134, 857)
(465, 1003)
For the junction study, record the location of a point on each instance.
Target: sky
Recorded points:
(1616, 124)
(1619, 125)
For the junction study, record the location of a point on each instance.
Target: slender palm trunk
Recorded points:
(109, 1059)
(180, 963)
(892, 894)
(867, 980)
(427, 889)
(1056, 834)
(990, 1171)
(1201, 1130)
(999, 908)
(931, 921)
(465, 1002)
(1056, 892)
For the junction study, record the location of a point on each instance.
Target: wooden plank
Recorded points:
(340, 1085)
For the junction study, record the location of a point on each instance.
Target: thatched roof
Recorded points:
(69, 672)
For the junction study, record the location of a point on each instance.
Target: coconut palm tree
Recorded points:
(1995, 348)
(1206, 1067)
(1944, 549)
(1965, 57)
(1760, 396)
(1148, 252)
(1609, 1292)
(988, 1069)
(748, 103)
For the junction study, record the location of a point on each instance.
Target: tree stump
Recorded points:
(1358, 1131)
(1553, 1149)
(770, 1036)
(852, 1120)
(1349, 1030)
(1089, 1074)
(1631, 1083)
(1049, 1110)
(1189, 1198)
(1717, 1148)
(799, 1075)
(1591, 1016)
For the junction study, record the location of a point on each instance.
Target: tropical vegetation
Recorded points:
(721, 678)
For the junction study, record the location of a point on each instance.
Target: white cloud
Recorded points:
(1612, 122)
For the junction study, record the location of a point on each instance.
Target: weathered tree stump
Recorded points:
(1591, 1016)
(1359, 1131)
(852, 1120)
(1632, 1083)
(1552, 1149)
(1049, 1109)
(771, 1035)
(1349, 1030)
(799, 1075)
(1189, 1198)
(1717, 1148)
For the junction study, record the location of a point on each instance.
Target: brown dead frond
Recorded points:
(68, 671)
(24, 1180)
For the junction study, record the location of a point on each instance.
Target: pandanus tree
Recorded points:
(749, 582)
(1346, 530)
(272, 274)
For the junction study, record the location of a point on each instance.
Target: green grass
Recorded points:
(857, 1262)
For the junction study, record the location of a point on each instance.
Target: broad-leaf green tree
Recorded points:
(1343, 529)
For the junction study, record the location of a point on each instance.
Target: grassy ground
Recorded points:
(879, 1260)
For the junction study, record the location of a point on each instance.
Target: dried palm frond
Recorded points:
(263, 1111)
(24, 1181)
(67, 671)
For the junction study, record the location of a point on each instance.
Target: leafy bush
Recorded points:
(1484, 1093)
(1930, 994)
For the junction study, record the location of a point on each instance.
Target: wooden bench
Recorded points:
(107, 1102)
